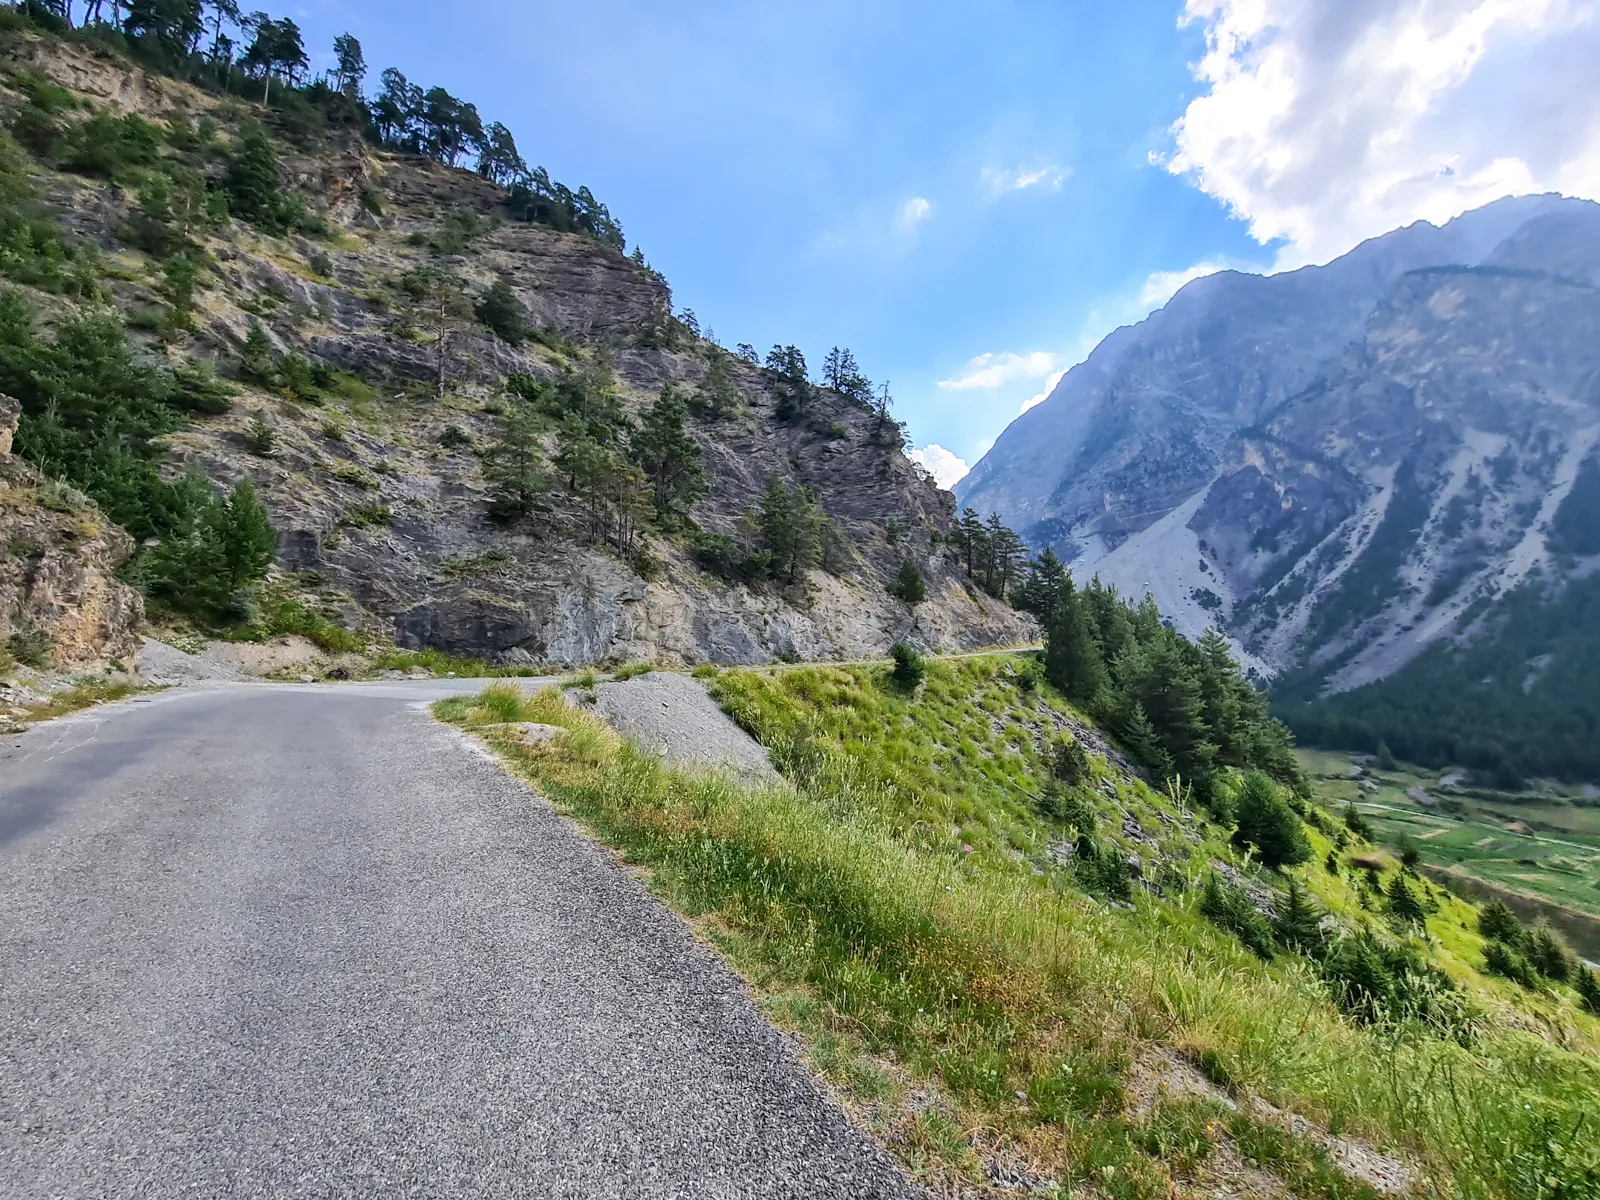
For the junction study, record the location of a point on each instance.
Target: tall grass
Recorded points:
(1031, 1007)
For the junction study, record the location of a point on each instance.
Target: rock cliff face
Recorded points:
(378, 487)
(61, 606)
(1342, 464)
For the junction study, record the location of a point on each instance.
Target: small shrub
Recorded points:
(260, 438)
(452, 438)
(500, 313)
(1410, 852)
(363, 516)
(1230, 908)
(1103, 871)
(909, 667)
(1501, 959)
(1067, 804)
(1358, 824)
(32, 647)
(1069, 762)
(632, 671)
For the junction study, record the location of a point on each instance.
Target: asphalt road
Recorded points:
(273, 941)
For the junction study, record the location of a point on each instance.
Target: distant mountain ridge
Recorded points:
(1340, 465)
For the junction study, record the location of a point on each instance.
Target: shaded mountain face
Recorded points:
(1339, 465)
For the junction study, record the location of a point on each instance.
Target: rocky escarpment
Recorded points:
(61, 605)
(375, 478)
(1340, 465)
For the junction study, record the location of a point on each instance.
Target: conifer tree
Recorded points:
(908, 586)
(1267, 823)
(670, 458)
(1299, 923)
(514, 465)
(1549, 954)
(1403, 902)
(1589, 990)
(1499, 924)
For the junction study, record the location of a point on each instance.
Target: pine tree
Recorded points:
(243, 533)
(1589, 990)
(252, 181)
(499, 311)
(1139, 736)
(669, 456)
(1268, 824)
(1073, 659)
(1299, 923)
(1043, 583)
(1403, 902)
(352, 65)
(908, 586)
(1499, 924)
(1549, 954)
(514, 465)
(718, 397)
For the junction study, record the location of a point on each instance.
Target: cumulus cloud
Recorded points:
(1044, 394)
(1162, 286)
(1325, 122)
(989, 371)
(997, 181)
(946, 468)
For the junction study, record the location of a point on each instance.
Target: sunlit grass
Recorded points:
(908, 964)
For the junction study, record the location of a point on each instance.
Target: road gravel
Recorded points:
(305, 941)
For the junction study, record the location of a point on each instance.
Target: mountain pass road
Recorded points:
(308, 942)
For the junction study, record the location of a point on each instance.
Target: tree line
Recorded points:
(1182, 708)
(215, 43)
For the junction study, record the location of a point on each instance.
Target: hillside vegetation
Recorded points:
(345, 365)
(1023, 964)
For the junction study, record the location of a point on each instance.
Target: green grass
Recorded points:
(1552, 854)
(891, 907)
(86, 693)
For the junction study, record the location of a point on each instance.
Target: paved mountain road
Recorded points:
(274, 941)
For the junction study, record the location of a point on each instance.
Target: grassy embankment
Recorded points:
(900, 908)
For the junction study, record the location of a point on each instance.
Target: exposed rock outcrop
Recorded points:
(61, 604)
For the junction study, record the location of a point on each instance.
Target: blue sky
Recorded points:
(931, 183)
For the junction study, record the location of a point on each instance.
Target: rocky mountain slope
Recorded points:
(61, 605)
(367, 399)
(1340, 465)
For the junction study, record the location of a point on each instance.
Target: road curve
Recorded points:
(274, 941)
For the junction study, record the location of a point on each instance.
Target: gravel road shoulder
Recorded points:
(673, 716)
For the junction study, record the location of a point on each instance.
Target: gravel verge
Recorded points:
(673, 716)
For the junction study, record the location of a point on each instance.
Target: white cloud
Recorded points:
(990, 371)
(1050, 386)
(914, 211)
(998, 181)
(1162, 286)
(947, 469)
(1325, 122)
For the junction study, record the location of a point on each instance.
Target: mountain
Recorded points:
(1342, 465)
(474, 422)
